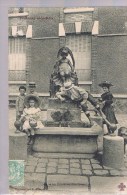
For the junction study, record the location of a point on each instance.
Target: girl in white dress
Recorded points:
(31, 116)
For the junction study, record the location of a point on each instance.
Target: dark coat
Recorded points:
(108, 108)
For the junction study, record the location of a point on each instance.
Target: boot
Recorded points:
(90, 120)
(98, 109)
(31, 141)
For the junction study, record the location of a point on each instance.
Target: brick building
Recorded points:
(96, 36)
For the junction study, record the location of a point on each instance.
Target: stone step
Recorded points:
(94, 130)
(62, 155)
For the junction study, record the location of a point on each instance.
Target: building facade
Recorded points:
(97, 37)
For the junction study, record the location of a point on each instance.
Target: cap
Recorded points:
(32, 84)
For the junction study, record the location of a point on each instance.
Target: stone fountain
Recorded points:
(64, 133)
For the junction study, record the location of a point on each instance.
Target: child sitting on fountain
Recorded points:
(77, 95)
(31, 116)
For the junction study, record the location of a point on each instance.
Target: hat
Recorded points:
(32, 84)
(68, 85)
(106, 84)
(33, 97)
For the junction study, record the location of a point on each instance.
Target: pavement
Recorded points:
(70, 176)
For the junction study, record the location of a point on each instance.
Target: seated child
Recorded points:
(77, 95)
(19, 106)
(31, 116)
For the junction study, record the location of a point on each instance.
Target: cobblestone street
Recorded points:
(65, 166)
(85, 175)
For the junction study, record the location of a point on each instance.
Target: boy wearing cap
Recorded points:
(19, 107)
(20, 102)
(107, 101)
(77, 95)
(32, 87)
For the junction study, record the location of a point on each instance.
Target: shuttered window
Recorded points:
(17, 58)
(80, 45)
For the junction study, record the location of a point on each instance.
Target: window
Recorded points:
(17, 59)
(15, 10)
(80, 45)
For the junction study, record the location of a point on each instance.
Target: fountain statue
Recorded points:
(64, 70)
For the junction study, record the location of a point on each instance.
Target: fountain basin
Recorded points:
(68, 140)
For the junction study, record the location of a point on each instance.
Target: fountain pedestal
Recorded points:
(69, 135)
(56, 106)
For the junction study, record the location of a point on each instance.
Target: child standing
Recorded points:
(20, 102)
(20, 106)
(32, 88)
(107, 101)
(31, 116)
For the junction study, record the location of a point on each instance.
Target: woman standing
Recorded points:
(107, 105)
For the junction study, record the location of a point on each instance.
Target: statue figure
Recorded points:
(79, 96)
(63, 71)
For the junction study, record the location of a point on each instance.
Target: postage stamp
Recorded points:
(16, 172)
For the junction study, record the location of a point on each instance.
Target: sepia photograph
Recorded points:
(67, 78)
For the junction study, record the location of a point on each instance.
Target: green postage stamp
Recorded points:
(16, 172)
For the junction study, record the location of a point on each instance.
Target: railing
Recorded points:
(84, 74)
(17, 75)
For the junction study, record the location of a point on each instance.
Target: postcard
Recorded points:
(67, 100)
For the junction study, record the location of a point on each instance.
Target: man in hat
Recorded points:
(32, 88)
(77, 95)
(107, 104)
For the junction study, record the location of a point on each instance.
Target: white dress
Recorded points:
(33, 113)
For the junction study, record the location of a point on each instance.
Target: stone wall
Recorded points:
(112, 20)
(43, 58)
(109, 60)
(109, 56)
(44, 21)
